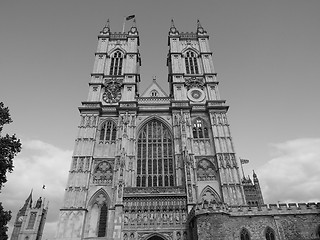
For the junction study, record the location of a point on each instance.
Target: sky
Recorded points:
(266, 55)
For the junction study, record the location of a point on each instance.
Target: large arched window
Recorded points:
(244, 234)
(199, 129)
(155, 165)
(108, 131)
(270, 234)
(116, 63)
(191, 63)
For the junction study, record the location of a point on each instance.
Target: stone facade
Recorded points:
(144, 163)
(287, 222)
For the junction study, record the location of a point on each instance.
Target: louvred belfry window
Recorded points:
(191, 63)
(108, 131)
(116, 64)
(199, 129)
(155, 165)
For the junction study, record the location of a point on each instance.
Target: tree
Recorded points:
(10, 146)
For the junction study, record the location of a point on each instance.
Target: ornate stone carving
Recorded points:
(205, 170)
(103, 173)
(194, 83)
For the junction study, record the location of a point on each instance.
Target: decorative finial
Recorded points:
(198, 24)
(200, 28)
(254, 174)
(134, 24)
(173, 29)
(154, 78)
(172, 24)
(106, 27)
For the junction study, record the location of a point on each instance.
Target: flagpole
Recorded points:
(241, 167)
(124, 22)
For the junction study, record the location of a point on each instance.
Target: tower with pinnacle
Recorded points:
(30, 220)
(154, 166)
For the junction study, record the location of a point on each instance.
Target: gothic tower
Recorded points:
(141, 163)
(30, 220)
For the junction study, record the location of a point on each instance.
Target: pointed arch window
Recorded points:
(191, 63)
(108, 131)
(270, 234)
(103, 221)
(200, 129)
(116, 63)
(155, 165)
(244, 235)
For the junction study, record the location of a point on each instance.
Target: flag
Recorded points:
(43, 186)
(130, 17)
(244, 161)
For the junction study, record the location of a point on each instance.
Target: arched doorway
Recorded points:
(156, 237)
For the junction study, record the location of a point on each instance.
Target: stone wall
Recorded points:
(288, 222)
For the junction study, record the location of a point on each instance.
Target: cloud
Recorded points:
(39, 163)
(292, 175)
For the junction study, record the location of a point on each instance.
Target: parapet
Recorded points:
(260, 210)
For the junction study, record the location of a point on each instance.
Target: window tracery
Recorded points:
(108, 131)
(200, 129)
(155, 165)
(116, 64)
(269, 234)
(103, 173)
(209, 196)
(191, 63)
(205, 170)
(244, 235)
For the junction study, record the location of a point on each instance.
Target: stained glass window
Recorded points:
(108, 131)
(155, 166)
(191, 63)
(116, 64)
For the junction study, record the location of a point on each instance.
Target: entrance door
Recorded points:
(155, 238)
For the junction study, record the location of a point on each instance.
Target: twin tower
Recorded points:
(142, 162)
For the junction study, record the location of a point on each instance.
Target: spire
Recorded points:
(27, 204)
(173, 29)
(200, 28)
(106, 28)
(255, 177)
(172, 24)
(29, 199)
(198, 24)
(134, 24)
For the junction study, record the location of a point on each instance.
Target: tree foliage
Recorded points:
(9, 147)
